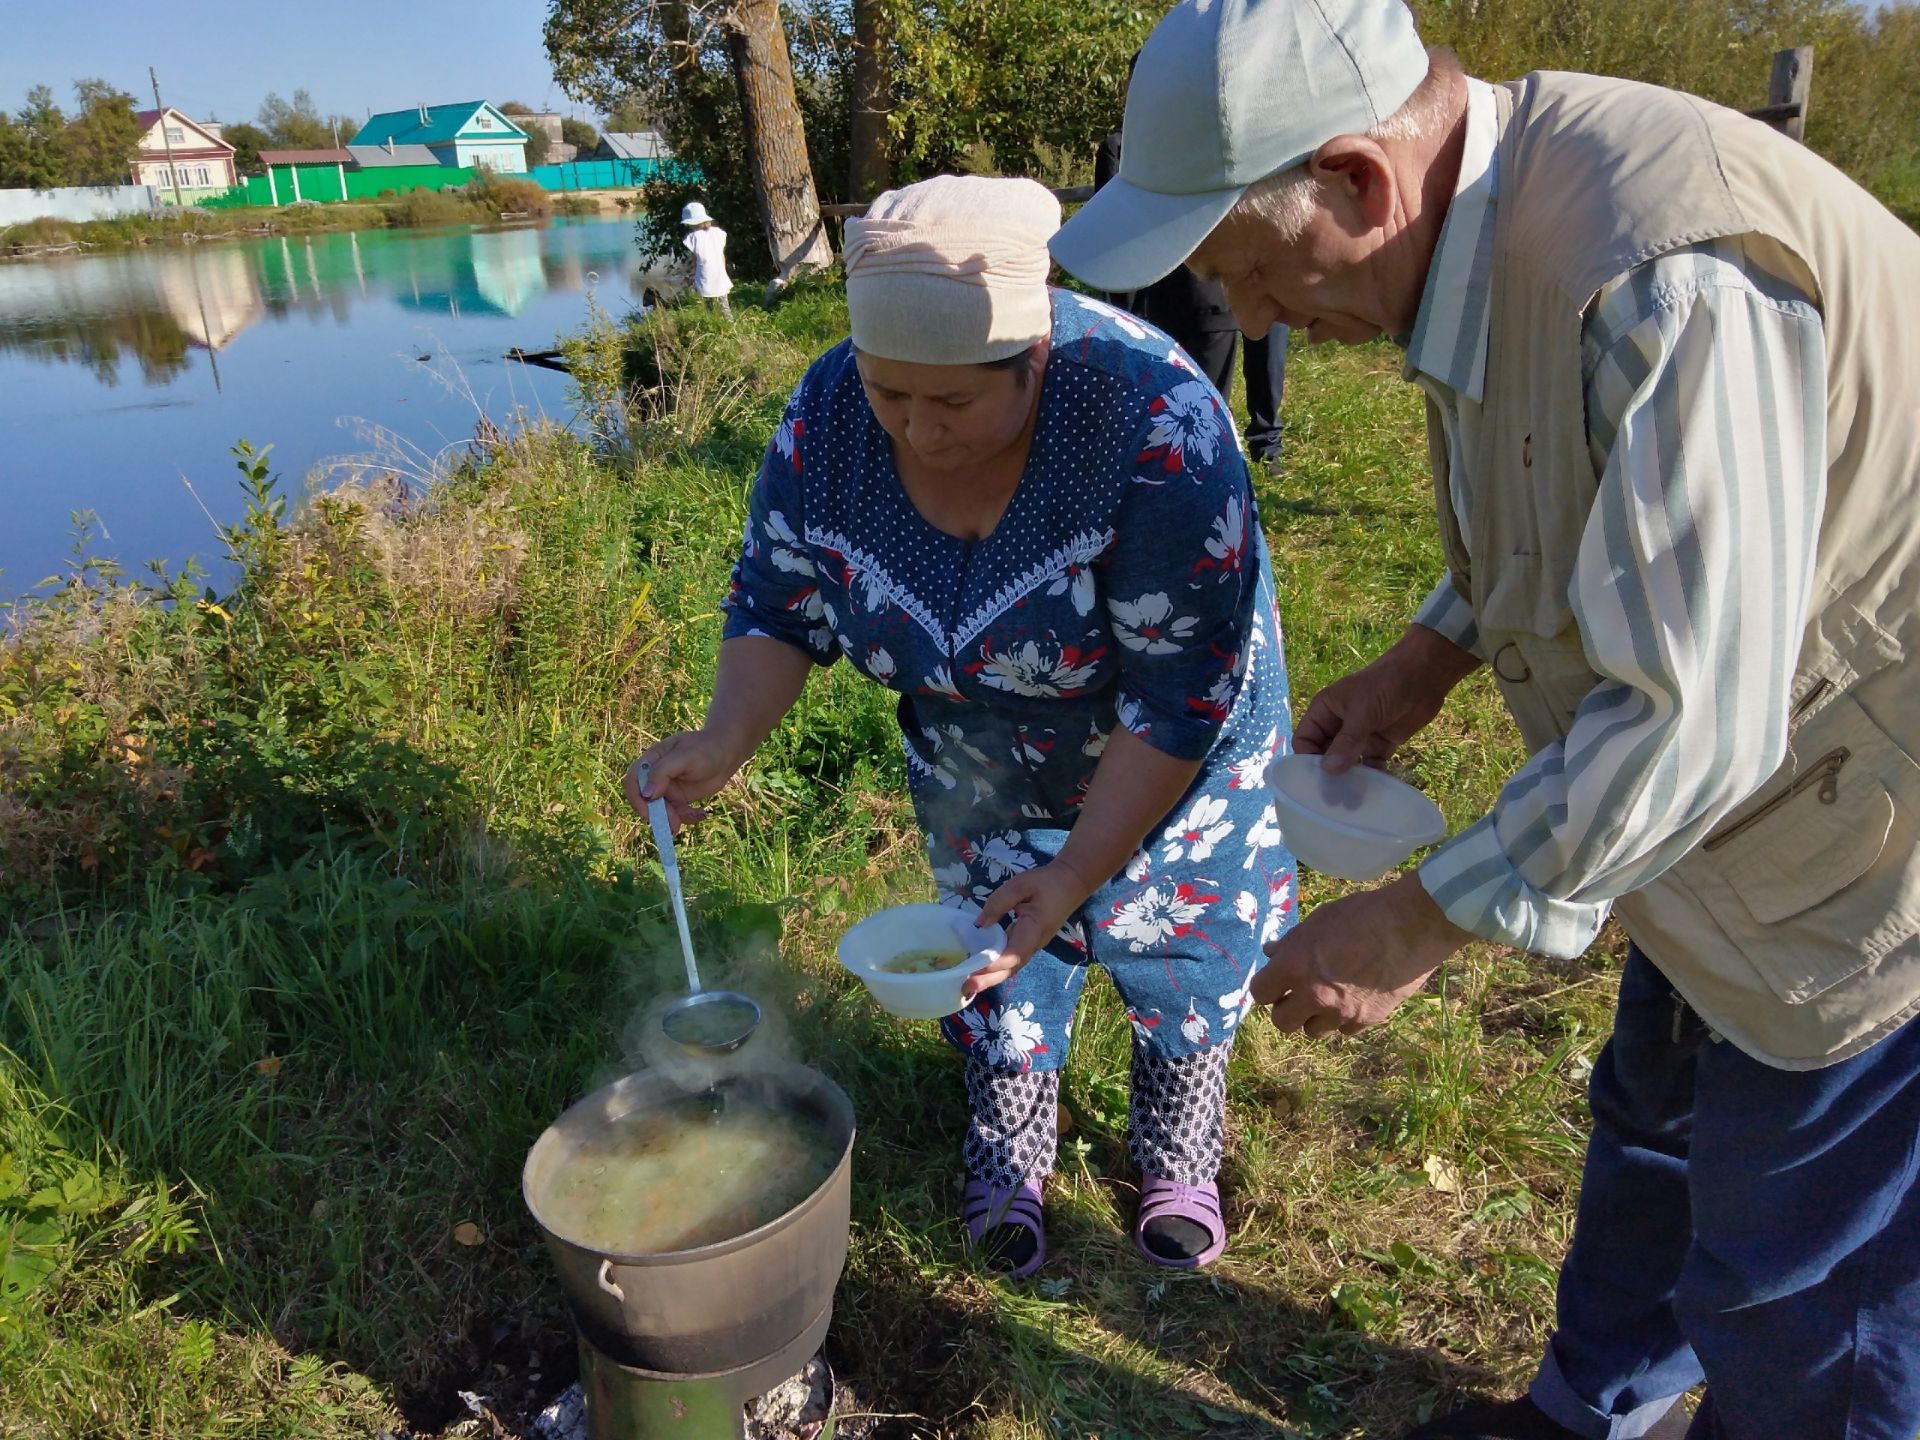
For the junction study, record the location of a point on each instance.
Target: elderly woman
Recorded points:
(1027, 514)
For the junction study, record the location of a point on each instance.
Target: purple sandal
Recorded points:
(989, 1208)
(1196, 1205)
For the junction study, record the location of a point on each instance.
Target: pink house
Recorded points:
(177, 151)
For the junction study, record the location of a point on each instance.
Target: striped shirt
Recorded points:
(1705, 382)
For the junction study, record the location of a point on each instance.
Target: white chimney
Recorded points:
(423, 114)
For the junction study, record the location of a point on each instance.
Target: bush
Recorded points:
(32, 234)
(428, 207)
(508, 194)
(1861, 115)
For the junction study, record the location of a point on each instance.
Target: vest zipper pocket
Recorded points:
(1825, 773)
(1807, 701)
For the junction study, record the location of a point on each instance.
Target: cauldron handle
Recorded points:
(608, 1284)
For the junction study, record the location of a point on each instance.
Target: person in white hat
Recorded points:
(1669, 358)
(708, 243)
(1027, 514)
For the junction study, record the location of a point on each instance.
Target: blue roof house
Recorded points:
(469, 133)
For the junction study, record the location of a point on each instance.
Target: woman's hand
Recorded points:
(686, 768)
(1040, 900)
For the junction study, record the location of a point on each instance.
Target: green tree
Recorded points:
(248, 140)
(753, 101)
(579, 134)
(30, 153)
(295, 124)
(1864, 113)
(99, 143)
(1019, 87)
(628, 114)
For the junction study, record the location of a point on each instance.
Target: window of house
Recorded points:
(205, 178)
(175, 135)
(484, 122)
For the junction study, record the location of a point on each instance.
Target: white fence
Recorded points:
(75, 202)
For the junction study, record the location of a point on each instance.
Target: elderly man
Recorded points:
(1670, 361)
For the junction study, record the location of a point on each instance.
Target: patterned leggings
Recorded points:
(1175, 1123)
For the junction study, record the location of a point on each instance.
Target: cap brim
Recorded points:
(1125, 238)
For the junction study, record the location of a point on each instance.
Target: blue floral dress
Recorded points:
(1126, 584)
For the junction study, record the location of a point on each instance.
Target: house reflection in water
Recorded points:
(158, 306)
(155, 307)
(497, 272)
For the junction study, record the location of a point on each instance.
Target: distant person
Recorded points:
(708, 242)
(1194, 313)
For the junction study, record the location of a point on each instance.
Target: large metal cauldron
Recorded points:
(718, 1307)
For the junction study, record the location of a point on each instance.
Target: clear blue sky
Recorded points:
(221, 57)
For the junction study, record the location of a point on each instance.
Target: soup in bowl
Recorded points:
(913, 959)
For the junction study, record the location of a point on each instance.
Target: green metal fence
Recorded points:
(322, 182)
(595, 174)
(368, 184)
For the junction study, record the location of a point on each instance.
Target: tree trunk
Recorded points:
(872, 160)
(776, 141)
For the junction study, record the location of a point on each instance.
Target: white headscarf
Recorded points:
(952, 271)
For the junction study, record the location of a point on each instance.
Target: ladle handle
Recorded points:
(607, 1282)
(670, 865)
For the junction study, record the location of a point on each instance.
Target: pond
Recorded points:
(126, 378)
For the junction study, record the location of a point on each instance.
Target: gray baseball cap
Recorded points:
(1227, 92)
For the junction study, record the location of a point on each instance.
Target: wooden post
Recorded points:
(1792, 82)
(273, 190)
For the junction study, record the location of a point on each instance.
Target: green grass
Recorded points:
(321, 902)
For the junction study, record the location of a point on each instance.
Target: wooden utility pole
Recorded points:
(870, 170)
(173, 170)
(776, 137)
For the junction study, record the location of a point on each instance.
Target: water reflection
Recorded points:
(100, 311)
(154, 306)
(123, 374)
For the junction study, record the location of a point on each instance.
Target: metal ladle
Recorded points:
(707, 1023)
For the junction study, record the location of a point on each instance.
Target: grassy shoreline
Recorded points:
(37, 239)
(321, 901)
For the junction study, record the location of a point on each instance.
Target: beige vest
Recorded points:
(1794, 928)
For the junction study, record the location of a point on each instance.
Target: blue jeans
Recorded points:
(1755, 1227)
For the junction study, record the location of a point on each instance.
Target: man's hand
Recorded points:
(1351, 962)
(1044, 898)
(1365, 717)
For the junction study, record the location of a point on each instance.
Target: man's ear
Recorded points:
(1356, 172)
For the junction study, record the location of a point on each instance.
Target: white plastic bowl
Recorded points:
(890, 933)
(1353, 826)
